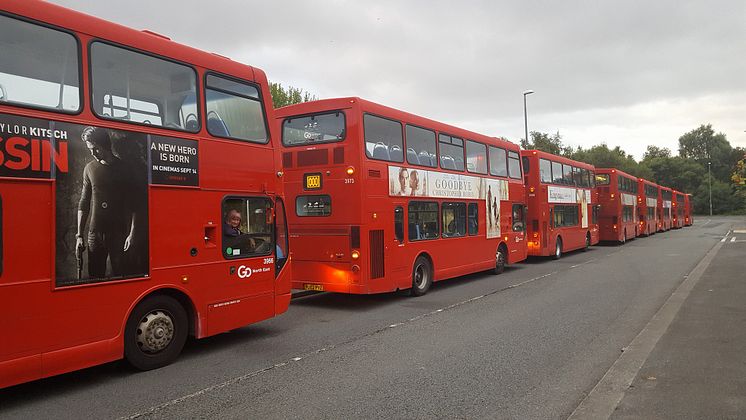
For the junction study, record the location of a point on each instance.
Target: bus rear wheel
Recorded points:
(587, 242)
(500, 259)
(422, 277)
(558, 249)
(155, 332)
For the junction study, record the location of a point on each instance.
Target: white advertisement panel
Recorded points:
(561, 195)
(413, 182)
(651, 202)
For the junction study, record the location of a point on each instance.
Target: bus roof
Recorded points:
(557, 158)
(614, 170)
(382, 110)
(97, 28)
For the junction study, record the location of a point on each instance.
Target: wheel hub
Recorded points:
(155, 332)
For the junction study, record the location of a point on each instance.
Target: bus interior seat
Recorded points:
(447, 162)
(425, 158)
(396, 153)
(216, 126)
(412, 156)
(380, 151)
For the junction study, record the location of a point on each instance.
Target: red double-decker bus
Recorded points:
(647, 206)
(688, 216)
(139, 197)
(679, 207)
(386, 200)
(562, 213)
(617, 193)
(665, 197)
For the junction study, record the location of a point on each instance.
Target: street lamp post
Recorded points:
(525, 115)
(709, 184)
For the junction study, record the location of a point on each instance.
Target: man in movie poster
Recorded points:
(102, 208)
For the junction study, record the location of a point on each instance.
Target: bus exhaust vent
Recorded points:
(313, 157)
(287, 160)
(376, 254)
(374, 173)
(339, 155)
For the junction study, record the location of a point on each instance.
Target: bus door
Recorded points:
(397, 255)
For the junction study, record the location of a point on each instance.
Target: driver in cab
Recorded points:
(232, 235)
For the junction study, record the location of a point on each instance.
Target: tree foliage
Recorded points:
(284, 97)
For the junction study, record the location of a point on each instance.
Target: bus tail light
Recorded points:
(355, 254)
(531, 190)
(612, 195)
(614, 227)
(350, 170)
(536, 234)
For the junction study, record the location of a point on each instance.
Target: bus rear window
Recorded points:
(312, 129)
(313, 205)
(40, 66)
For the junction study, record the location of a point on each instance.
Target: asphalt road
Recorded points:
(530, 343)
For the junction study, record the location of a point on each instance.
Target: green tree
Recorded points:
(547, 143)
(703, 145)
(601, 156)
(676, 172)
(284, 97)
(656, 152)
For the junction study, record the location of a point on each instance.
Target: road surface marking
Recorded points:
(733, 239)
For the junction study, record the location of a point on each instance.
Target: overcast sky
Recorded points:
(628, 73)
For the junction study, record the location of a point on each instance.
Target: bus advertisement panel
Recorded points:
(562, 213)
(387, 200)
(130, 210)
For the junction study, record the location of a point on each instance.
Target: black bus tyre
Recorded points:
(155, 332)
(501, 258)
(422, 276)
(624, 237)
(558, 249)
(587, 241)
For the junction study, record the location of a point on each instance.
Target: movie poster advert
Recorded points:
(173, 161)
(101, 187)
(495, 190)
(408, 182)
(583, 197)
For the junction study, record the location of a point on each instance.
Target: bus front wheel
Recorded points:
(422, 276)
(155, 332)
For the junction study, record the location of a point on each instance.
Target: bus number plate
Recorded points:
(313, 181)
(314, 287)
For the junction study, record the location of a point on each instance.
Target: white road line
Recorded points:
(733, 239)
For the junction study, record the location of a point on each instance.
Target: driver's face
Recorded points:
(234, 220)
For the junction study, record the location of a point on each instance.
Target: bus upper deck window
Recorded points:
(40, 66)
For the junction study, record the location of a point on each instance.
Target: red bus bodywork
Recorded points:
(364, 234)
(688, 216)
(53, 322)
(679, 209)
(665, 201)
(554, 227)
(618, 198)
(647, 206)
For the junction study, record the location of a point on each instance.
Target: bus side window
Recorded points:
(399, 224)
(473, 213)
(247, 227)
(518, 218)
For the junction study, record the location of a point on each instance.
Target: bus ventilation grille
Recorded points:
(376, 254)
(313, 157)
(287, 160)
(339, 155)
(374, 173)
